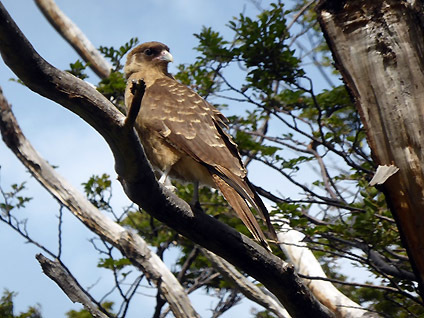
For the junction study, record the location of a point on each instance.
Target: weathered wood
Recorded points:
(378, 47)
(244, 285)
(293, 245)
(57, 272)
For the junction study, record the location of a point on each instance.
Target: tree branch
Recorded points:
(246, 287)
(131, 245)
(139, 182)
(386, 82)
(307, 265)
(75, 37)
(380, 262)
(72, 289)
(138, 88)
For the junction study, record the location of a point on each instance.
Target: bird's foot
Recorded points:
(195, 205)
(170, 187)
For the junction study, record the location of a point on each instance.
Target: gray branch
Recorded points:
(75, 37)
(69, 285)
(245, 286)
(130, 244)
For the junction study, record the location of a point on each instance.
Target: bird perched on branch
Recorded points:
(185, 137)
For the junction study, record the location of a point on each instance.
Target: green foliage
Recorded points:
(13, 198)
(98, 191)
(213, 46)
(83, 313)
(111, 263)
(264, 314)
(78, 69)
(113, 88)
(116, 55)
(202, 80)
(6, 307)
(246, 142)
(261, 44)
(17, 80)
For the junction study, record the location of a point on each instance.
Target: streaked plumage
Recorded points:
(186, 136)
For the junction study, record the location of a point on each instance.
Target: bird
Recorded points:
(185, 137)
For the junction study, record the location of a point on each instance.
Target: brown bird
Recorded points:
(185, 137)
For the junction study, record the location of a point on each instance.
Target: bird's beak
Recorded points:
(165, 56)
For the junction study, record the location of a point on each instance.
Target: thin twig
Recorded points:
(137, 89)
(59, 230)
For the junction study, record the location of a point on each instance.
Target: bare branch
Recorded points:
(246, 287)
(307, 265)
(131, 245)
(328, 182)
(75, 37)
(59, 232)
(299, 14)
(137, 89)
(385, 288)
(190, 259)
(226, 303)
(17, 225)
(260, 134)
(65, 280)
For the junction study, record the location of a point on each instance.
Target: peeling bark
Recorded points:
(378, 47)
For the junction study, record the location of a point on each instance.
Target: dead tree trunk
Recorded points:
(378, 47)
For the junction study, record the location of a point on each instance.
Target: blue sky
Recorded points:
(69, 143)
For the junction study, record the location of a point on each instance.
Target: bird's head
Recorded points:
(152, 55)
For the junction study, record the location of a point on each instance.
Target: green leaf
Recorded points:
(116, 55)
(78, 69)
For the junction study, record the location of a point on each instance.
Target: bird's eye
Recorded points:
(148, 52)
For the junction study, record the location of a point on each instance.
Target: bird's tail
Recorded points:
(242, 209)
(263, 211)
(246, 190)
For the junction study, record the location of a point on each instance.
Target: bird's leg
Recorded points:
(164, 175)
(165, 181)
(195, 200)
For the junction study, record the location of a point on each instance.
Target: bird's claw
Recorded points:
(171, 188)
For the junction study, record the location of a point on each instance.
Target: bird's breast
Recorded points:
(160, 154)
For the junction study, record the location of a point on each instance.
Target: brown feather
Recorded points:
(242, 210)
(245, 189)
(182, 132)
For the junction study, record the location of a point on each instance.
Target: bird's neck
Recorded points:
(151, 74)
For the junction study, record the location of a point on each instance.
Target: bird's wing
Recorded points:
(193, 126)
(189, 124)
